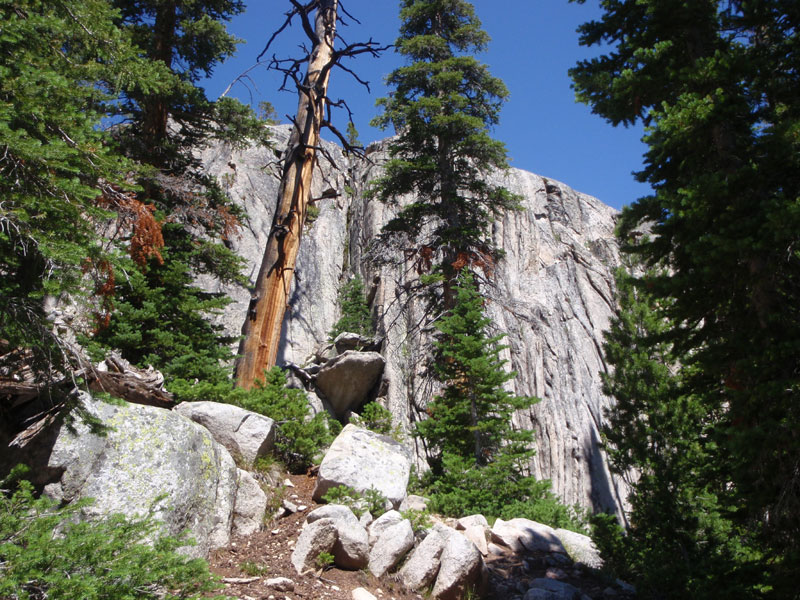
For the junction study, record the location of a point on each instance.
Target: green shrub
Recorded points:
(44, 553)
(378, 419)
(420, 519)
(372, 501)
(355, 311)
(324, 560)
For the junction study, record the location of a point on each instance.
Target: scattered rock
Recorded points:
(414, 502)
(477, 535)
(362, 594)
(421, 568)
(332, 511)
(351, 550)
(390, 548)
(520, 534)
(460, 568)
(362, 459)
(472, 521)
(320, 536)
(382, 523)
(245, 434)
(347, 379)
(280, 584)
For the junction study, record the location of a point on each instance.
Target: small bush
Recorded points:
(378, 419)
(44, 553)
(372, 501)
(420, 519)
(324, 560)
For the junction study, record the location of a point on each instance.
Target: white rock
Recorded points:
(332, 511)
(414, 502)
(319, 536)
(420, 570)
(245, 434)
(477, 535)
(460, 568)
(519, 534)
(471, 521)
(280, 584)
(351, 550)
(251, 504)
(393, 544)
(362, 594)
(382, 523)
(361, 459)
(580, 548)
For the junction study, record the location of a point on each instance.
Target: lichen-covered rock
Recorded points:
(346, 380)
(246, 435)
(361, 459)
(149, 460)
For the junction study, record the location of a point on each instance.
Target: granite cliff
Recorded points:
(552, 294)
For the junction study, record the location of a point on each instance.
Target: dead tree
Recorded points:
(262, 328)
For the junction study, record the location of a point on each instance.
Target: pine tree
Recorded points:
(716, 84)
(354, 309)
(57, 170)
(442, 107)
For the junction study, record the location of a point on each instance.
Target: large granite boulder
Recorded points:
(524, 534)
(246, 435)
(362, 459)
(346, 380)
(147, 460)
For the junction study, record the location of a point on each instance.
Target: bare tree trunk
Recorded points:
(262, 329)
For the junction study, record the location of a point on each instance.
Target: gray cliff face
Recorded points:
(552, 294)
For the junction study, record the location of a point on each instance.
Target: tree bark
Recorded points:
(262, 328)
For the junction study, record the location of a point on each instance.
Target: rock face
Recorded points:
(552, 295)
(149, 459)
(362, 459)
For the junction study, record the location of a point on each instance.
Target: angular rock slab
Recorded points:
(149, 459)
(351, 550)
(361, 459)
(244, 433)
(461, 566)
(581, 548)
(347, 379)
(421, 568)
(317, 537)
(391, 547)
(519, 534)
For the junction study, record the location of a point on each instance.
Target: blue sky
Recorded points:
(534, 43)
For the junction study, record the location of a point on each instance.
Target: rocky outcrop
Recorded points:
(551, 293)
(246, 435)
(147, 461)
(362, 459)
(345, 381)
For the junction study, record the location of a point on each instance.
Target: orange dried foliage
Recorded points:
(146, 237)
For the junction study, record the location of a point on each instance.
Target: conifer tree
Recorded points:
(56, 170)
(716, 84)
(443, 104)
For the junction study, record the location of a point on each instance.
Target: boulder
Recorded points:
(382, 523)
(362, 594)
(581, 548)
(351, 550)
(316, 538)
(336, 512)
(477, 535)
(460, 568)
(347, 379)
(552, 589)
(362, 459)
(414, 502)
(246, 435)
(472, 521)
(251, 504)
(421, 568)
(519, 534)
(353, 341)
(149, 460)
(390, 548)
